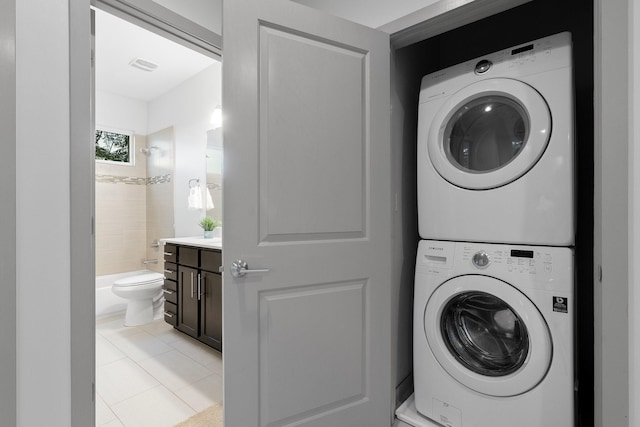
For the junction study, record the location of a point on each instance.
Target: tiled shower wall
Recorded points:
(160, 220)
(134, 207)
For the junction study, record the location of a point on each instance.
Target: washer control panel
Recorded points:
(522, 261)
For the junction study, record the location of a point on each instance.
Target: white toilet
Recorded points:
(144, 296)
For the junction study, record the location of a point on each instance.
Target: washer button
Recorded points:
(480, 259)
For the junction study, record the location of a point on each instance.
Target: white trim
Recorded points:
(634, 213)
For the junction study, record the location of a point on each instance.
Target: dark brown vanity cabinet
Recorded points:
(198, 283)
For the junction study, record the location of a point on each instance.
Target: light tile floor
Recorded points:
(152, 375)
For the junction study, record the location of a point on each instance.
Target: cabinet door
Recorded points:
(188, 300)
(211, 309)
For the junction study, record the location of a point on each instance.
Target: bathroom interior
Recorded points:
(166, 98)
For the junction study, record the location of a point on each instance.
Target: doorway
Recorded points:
(161, 95)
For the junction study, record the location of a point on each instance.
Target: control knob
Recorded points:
(480, 259)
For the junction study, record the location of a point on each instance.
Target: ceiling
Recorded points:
(117, 42)
(372, 13)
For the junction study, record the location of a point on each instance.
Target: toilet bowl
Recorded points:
(144, 296)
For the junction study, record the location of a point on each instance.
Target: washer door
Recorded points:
(489, 134)
(488, 335)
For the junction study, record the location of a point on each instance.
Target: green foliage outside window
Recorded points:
(112, 146)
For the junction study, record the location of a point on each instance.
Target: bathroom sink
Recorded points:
(199, 241)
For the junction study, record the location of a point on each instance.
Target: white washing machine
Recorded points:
(493, 335)
(496, 147)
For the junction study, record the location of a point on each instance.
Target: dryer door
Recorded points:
(489, 134)
(488, 335)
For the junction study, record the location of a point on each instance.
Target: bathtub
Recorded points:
(108, 303)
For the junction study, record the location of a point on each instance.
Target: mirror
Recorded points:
(214, 170)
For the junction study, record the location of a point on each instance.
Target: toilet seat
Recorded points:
(139, 280)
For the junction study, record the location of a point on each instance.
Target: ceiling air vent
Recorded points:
(143, 64)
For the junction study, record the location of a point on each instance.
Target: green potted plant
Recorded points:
(209, 224)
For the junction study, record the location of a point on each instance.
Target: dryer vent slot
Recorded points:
(438, 259)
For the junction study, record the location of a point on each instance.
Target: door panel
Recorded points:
(292, 350)
(324, 166)
(307, 196)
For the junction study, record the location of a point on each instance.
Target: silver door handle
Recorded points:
(239, 268)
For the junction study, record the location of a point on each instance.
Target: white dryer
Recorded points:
(496, 148)
(493, 335)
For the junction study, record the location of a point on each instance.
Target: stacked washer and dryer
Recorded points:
(494, 301)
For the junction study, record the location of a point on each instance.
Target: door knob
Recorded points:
(239, 268)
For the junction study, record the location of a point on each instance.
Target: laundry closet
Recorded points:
(515, 27)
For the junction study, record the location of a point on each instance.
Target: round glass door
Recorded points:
(488, 335)
(484, 334)
(486, 134)
(489, 134)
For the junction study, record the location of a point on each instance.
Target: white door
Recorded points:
(306, 196)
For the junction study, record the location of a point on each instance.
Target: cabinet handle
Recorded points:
(168, 291)
(168, 253)
(169, 271)
(192, 284)
(166, 313)
(199, 288)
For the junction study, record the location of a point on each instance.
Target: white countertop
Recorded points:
(199, 241)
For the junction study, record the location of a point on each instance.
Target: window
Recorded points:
(114, 146)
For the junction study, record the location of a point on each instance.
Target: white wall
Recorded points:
(121, 112)
(188, 109)
(43, 214)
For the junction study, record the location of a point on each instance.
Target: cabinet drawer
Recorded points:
(170, 295)
(170, 285)
(210, 260)
(170, 271)
(170, 253)
(188, 256)
(170, 313)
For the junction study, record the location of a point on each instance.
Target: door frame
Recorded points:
(8, 333)
(168, 24)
